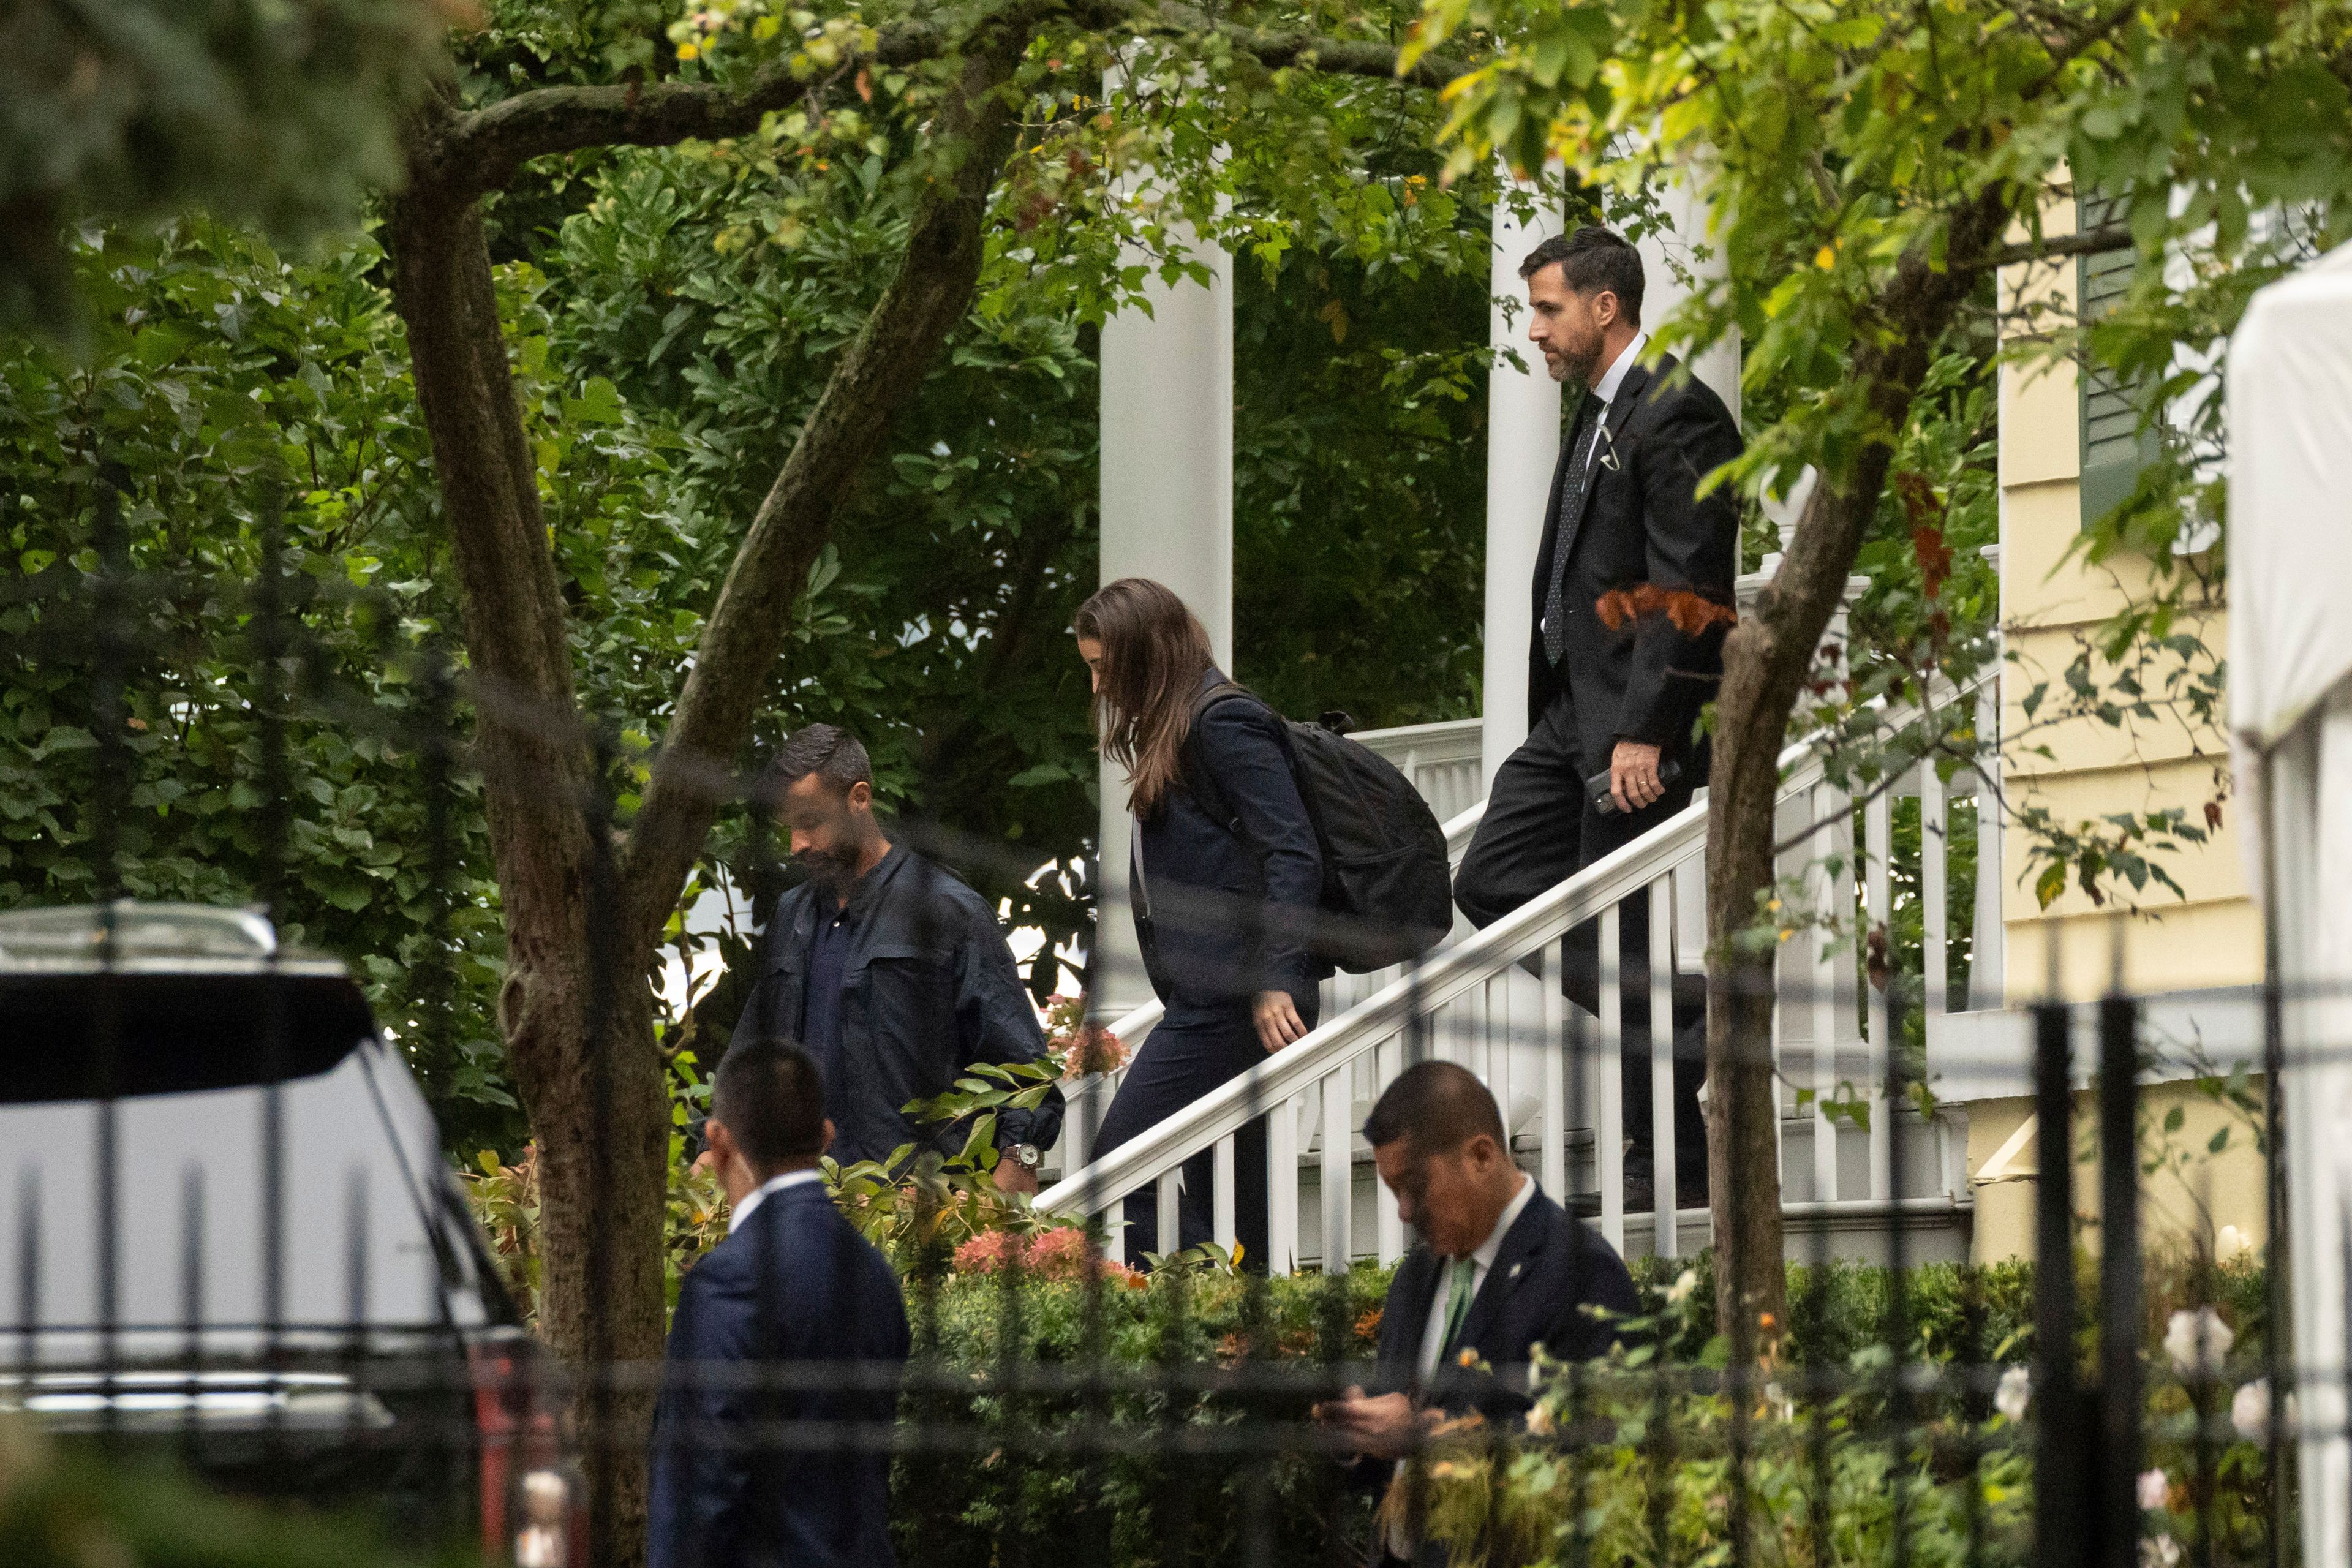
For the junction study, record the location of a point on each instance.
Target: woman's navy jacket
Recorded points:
(930, 989)
(1224, 906)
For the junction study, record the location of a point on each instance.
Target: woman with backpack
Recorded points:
(1225, 877)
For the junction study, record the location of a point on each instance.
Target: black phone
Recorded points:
(1596, 788)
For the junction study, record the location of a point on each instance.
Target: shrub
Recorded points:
(62, 1507)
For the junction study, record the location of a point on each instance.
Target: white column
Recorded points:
(1167, 514)
(1522, 445)
(1672, 271)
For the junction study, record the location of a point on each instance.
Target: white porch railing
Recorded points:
(1474, 1001)
(1442, 760)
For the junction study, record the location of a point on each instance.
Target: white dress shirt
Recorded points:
(759, 1194)
(1611, 380)
(1432, 1338)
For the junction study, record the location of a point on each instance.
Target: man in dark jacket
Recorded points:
(1499, 1269)
(892, 973)
(751, 1468)
(1633, 595)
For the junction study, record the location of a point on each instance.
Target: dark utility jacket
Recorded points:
(929, 989)
(1642, 526)
(1204, 881)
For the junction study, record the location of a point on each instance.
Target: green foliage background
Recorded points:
(669, 338)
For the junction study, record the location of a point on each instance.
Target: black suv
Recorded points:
(227, 1231)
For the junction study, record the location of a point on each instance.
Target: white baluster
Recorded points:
(1338, 1175)
(1114, 1234)
(1282, 1187)
(1985, 976)
(1389, 1059)
(1780, 1072)
(1878, 819)
(1934, 846)
(1222, 1226)
(1553, 1171)
(1170, 1212)
(1608, 1111)
(1662, 1063)
(1821, 892)
(1078, 1124)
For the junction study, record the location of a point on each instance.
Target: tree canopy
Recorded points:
(1871, 170)
(280, 114)
(673, 464)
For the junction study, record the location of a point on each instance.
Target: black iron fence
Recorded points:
(234, 1236)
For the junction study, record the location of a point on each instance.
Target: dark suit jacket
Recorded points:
(750, 1478)
(1642, 523)
(930, 988)
(1550, 1268)
(1203, 949)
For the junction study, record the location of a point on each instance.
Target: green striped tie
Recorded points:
(1457, 1302)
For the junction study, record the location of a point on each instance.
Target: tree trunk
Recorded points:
(1766, 660)
(876, 375)
(574, 1007)
(583, 914)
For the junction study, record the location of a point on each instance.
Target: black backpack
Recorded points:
(1388, 891)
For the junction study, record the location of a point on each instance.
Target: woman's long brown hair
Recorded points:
(1154, 653)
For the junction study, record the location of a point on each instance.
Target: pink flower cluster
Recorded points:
(1061, 1254)
(1087, 1048)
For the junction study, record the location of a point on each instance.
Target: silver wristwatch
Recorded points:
(1027, 1156)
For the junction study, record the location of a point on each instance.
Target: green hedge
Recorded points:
(1893, 1462)
(63, 1506)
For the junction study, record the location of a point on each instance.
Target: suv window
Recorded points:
(172, 1033)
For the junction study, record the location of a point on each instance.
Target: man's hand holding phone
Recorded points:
(1635, 779)
(1380, 1427)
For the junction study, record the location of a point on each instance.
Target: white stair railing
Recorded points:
(1091, 1097)
(1472, 1002)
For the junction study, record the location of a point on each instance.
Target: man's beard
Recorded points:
(836, 869)
(1576, 365)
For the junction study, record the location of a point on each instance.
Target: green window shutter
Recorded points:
(2114, 448)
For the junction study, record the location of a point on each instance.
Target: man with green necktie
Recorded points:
(1499, 1269)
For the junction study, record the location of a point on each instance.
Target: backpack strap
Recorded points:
(1198, 779)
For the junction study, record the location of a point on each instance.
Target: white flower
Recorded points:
(2250, 1412)
(2158, 1551)
(1680, 1290)
(2153, 1488)
(2229, 1243)
(2198, 1341)
(2015, 1393)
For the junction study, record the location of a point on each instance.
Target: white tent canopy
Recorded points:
(2290, 419)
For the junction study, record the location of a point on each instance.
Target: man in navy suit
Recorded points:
(1499, 1269)
(750, 1470)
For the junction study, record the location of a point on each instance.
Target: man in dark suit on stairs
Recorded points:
(1500, 1269)
(750, 1471)
(1633, 595)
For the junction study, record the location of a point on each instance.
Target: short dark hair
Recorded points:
(1589, 261)
(828, 750)
(769, 1096)
(1440, 1106)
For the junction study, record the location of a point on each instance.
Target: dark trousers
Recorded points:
(1539, 830)
(1195, 1048)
